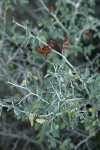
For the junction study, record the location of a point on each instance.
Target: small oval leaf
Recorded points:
(41, 120)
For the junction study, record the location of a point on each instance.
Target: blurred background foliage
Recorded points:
(53, 102)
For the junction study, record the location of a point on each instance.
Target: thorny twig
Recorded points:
(30, 93)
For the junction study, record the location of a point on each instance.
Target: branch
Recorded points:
(30, 93)
(21, 136)
(55, 17)
(83, 141)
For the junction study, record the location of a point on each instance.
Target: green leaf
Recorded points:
(41, 120)
(71, 145)
(56, 126)
(53, 144)
(28, 107)
(16, 111)
(35, 105)
(7, 100)
(9, 108)
(36, 77)
(31, 117)
(42, 41)
(0, 111)
(87, 72)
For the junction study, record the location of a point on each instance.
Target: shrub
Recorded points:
(52, 70)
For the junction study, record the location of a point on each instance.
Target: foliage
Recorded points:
(52, 88)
